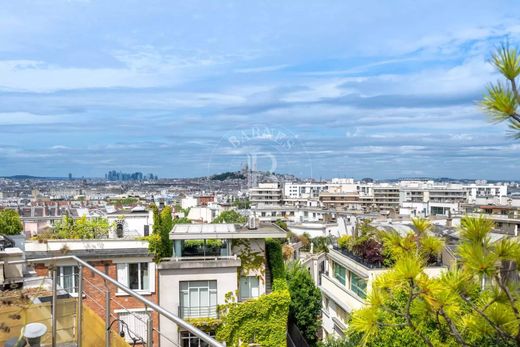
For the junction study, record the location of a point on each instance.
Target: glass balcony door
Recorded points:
(198, 299)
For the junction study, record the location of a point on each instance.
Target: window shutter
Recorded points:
(122, 274)
(151, 276)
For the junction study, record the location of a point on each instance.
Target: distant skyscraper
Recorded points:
(70, 176)
(113, 175)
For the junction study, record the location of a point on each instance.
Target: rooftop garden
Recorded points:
(81, 228)
(376, 248)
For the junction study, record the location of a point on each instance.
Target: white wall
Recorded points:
(189, 202)
(169, 296)
(133, 224)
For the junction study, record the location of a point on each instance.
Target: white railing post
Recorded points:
(80, 306)
(107, 317)
(54, 305)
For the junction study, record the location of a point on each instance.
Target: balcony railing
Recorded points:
(437, 262)
(358, 259)
(202, 258)
(198, 312)
(110, 318)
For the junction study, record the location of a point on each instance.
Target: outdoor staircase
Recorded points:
(268, 280)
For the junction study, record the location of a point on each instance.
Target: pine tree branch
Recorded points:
(408, 315)
(454, 331)
(513, 306)
(515, 90)
(505, 336)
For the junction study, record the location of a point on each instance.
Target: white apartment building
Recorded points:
(345, 281)
(292, 214)
(407, 197)
(266, 194)
(482, 189)
(203, 271)
(307, 190)
(420, 198)
(205, 214)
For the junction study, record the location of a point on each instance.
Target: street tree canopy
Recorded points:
(10, 223)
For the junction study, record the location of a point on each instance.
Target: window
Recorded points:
(136, 322)
(119, 230)
(137, 276)
(68, 278)
(190, 340)
(249, 287)
(341, 313)
(198, 299)
(340, 273)
(326, 305)
(358, 285)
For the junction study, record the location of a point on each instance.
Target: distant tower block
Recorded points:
(252, 175)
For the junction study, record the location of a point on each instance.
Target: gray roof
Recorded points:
(224, 231)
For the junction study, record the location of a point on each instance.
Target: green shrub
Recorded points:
(305, 308)
(344, 241)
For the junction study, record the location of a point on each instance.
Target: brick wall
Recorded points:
(95, 299)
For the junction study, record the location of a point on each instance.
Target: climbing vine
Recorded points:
(262, 321)
(208, 325)
(250, 260)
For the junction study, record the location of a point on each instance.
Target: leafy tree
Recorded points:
(282, 224)
(159, 242)
(242, 204)
(305, 305)
(475, 304)
(502, 98)
(81, 228)
(156, 218)
(287, 251)
(344, 241)
(305, 239)
(321, 244)
(166, 228)
(125, 201)
(10, 222)
(230, 216)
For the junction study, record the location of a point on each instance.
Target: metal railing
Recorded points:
(109, 317)
(198, 311)
(202, 258)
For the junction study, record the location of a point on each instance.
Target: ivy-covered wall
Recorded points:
(252, 257)
(262, 321)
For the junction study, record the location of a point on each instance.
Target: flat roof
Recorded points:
(224, 231)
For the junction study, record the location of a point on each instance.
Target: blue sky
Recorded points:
(377, 89)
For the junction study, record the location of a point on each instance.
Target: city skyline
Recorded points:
(306, 88)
